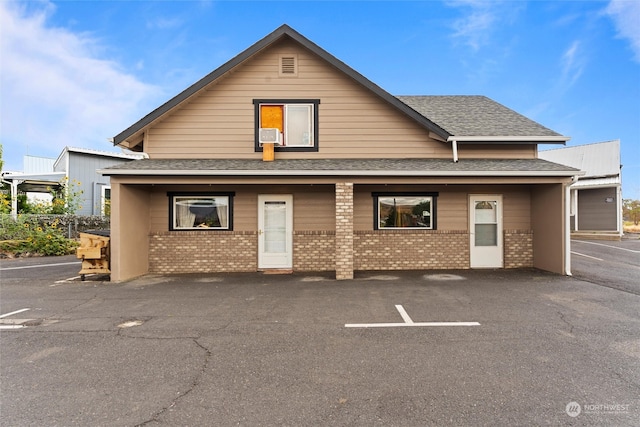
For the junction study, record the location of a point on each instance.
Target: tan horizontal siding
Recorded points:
(453, 209)
(314, 209)
(313, 206)
(452, 204)
(352, 121)
(497, 151)
(517, 209)
(158, 212)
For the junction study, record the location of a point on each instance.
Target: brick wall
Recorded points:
(202, 252)
(344, 231)
(314, 251)
(234, 251)
(411, 250)
(518, 248)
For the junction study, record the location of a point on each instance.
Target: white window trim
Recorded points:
(103, 198)
(309, 128)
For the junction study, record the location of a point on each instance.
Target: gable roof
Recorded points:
(280, 33)
(105, 154)
(478, 118)
(460, 118)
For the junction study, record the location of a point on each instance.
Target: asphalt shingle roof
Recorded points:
(469, 115)
(388, 167)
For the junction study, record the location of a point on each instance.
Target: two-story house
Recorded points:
(286, 158)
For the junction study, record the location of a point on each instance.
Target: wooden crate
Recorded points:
(94, 251)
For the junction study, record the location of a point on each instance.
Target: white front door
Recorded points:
(485, 217)
(275, 231)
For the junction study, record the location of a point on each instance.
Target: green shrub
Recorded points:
(25, 235)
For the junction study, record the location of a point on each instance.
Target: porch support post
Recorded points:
(344, 230)
(14, 197)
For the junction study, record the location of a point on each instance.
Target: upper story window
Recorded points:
(297, 121)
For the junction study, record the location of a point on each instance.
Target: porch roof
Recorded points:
(341, 167)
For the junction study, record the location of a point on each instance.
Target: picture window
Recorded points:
(405, 210)
(200, 211)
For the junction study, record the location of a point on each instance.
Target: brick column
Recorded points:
(344, 230)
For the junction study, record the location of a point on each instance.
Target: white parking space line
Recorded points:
(404, 314)
(41, 266)
(14, 312)
(10, 325)
(587, 256)
(606, 246)
(394, 325)
(407, 322)
(70, 279)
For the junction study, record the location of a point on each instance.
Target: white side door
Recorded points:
(485, 217)
(275, 231)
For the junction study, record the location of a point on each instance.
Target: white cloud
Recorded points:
(572, 64)
(473, 28)
(626, 17)
(161, 23)
(57, 90)
(481, 19)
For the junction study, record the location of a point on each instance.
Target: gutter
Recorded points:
(511, 139)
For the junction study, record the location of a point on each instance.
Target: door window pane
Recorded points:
(486, 223)
(275, 227)
(486, 212)
(486, 235)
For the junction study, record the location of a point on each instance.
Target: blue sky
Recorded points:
(75, 73)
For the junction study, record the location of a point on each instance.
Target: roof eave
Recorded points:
(362, 173)
(559, 139)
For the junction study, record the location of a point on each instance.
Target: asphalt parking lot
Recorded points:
(395, 349)
(613, 264)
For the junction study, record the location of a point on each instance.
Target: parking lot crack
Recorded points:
(566, 322)
(75, 307)
(196, 381)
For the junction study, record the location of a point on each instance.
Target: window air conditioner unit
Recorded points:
(270, 136)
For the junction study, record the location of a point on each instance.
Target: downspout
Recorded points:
(567, 226)
(454, 147)
(619, 211)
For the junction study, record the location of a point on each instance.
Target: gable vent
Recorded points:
(288, 65)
